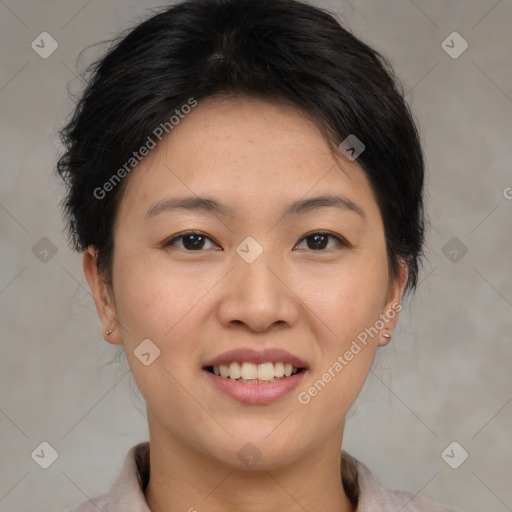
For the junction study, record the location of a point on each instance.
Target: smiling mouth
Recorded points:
(254, 373)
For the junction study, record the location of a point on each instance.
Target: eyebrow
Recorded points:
(196, 203)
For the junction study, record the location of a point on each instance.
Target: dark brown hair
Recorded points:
(280, 50)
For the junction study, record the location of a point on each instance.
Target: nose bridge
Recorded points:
(258, 295)
(258, 281)
(253, 262)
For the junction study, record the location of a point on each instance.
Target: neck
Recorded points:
(184, 479)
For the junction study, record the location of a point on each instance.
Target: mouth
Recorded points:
(255, 377)
(248, 372)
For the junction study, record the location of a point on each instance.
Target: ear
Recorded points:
(103, 297)
(393, 306)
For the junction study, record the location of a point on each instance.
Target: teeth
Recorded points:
(255, 372)
(249, 371)
(235, 371)
(265, 371)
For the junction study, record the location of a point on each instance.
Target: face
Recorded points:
(269, 274)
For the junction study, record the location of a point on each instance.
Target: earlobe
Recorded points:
(393, 306)
(102, 295)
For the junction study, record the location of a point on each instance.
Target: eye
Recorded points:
(318, 240)
(196, 241)
(191, 241)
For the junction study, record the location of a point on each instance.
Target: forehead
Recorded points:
(246, 152)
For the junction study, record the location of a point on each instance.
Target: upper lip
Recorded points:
(248, 355)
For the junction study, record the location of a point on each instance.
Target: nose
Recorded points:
(258, 297)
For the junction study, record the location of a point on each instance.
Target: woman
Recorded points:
(245, 183)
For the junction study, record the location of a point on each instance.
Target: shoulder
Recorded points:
(371, 497)
(127, 488)
(408, 502)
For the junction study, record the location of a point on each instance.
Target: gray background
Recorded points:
(446, 374)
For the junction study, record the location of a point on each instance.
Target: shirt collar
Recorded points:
(127, 491)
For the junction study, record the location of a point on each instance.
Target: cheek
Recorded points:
(162, 304)
(151, 297)
(168, 303)
(153, 304)
(345, 350)
(347, 301)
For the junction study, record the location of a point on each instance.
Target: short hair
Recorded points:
(277, 50)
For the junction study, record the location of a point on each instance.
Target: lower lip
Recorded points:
(255, 393)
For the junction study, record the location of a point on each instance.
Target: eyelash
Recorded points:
(341, 241)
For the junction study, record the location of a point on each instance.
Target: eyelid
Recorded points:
(178, 236)
(342, 241)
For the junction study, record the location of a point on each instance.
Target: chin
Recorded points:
(253, 451)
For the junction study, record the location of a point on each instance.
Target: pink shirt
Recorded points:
(127, 491)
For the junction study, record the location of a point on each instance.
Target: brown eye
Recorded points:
(190, 241)
(319, 241)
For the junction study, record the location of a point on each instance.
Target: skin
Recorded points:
(255, 157)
